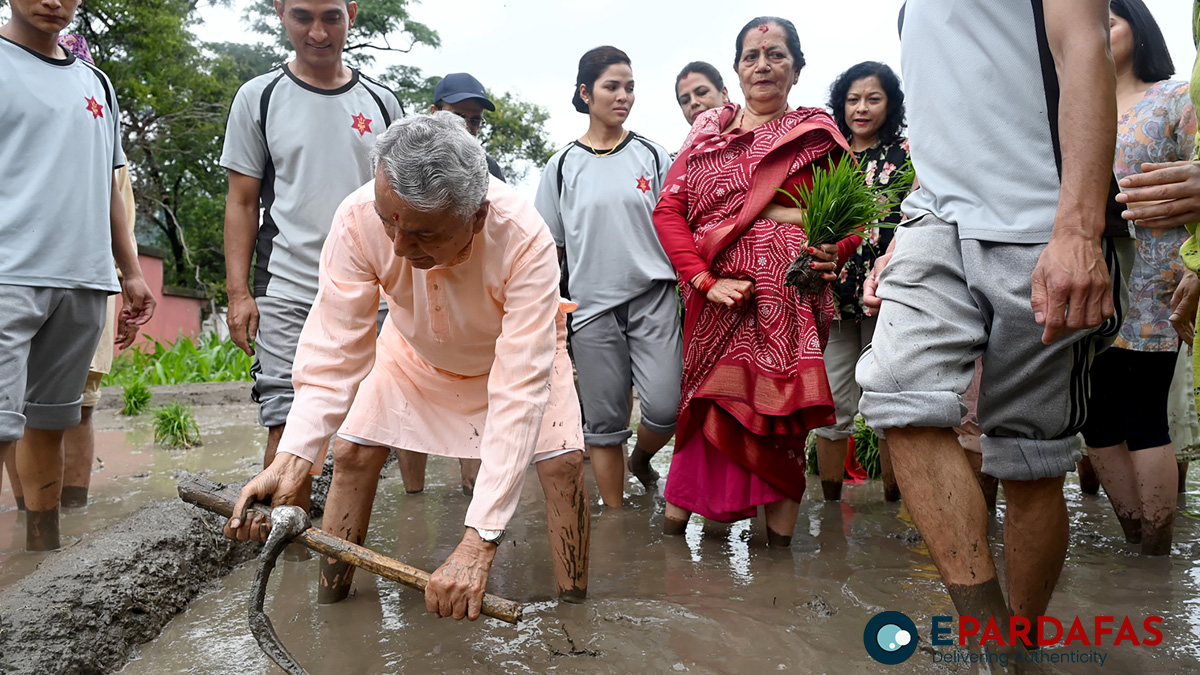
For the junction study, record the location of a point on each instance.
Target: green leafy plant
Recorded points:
(207, 359)
(136, 396)
(175, 427)
(866, 448)
(839, 203)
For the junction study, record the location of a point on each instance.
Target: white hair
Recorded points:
(433, 163)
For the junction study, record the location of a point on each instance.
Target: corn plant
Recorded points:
(136, 396)
(208, 359)
(175, 427)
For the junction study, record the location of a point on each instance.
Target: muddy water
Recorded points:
(715, 602)
(130, 471)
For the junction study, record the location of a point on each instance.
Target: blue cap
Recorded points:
(457, 87)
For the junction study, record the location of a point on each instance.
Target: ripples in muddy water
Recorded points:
(713, 601)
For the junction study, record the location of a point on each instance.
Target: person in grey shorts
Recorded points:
(62, 225)
(296, 144)
(597, 195)
(1014, 253)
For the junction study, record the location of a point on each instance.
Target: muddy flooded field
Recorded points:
(709, 602)
(130, 471)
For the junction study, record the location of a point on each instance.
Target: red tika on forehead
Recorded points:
(763, 28)
(395, 216)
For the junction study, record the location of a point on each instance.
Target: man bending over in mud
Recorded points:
(472, 360)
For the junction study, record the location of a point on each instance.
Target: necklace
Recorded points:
(742, 118)
(610, 151)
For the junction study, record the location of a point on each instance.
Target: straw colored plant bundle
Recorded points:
(839, 203)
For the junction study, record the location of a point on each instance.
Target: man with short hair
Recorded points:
(1014, 253)
(472, 361)
(296, 144)
(62, 225)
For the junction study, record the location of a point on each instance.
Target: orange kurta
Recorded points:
(472, 361)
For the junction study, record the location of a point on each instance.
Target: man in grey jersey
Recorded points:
(1013, 250)
(296, 145)
(62, 224)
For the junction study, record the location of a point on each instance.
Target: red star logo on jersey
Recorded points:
(643, 184)
(361, 124)
(95, 108)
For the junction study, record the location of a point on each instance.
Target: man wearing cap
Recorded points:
(463, 95)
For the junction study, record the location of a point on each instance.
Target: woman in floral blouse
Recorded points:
(868, 106)
(1127, 430)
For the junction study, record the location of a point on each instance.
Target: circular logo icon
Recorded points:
(890, 638)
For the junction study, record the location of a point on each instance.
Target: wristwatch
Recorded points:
(490, 536)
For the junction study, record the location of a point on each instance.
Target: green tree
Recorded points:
(515, 135)
(380, 26)
(174, 97)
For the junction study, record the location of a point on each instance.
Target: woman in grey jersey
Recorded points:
(597, 195)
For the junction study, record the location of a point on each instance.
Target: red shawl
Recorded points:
(754, 378)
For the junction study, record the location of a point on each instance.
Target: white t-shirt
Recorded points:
(310, 148)
(60, 141)
(599, 209)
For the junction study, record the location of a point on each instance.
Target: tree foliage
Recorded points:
(515, 135)
(380, 26)
(174, 98)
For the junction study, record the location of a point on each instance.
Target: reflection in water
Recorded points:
(719, 602)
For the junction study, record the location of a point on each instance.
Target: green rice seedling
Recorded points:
(136, 396)
(175, 427)
(837, 204)
(866, 448)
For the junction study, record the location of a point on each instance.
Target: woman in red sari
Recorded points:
(753, 378)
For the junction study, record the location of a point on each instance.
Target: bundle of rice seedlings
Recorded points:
(175, 426)
(839, 203)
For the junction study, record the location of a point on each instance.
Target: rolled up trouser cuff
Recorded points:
(658, 428)
(936, 409)
(835, 432)
(610, 438)
(12, 426)
(53, 416)
(1009, 458)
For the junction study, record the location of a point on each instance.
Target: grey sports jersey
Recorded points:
(60, 139)
(982, 96)
(599, 209)
(309, 147)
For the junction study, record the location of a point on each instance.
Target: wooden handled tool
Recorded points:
(219, 499)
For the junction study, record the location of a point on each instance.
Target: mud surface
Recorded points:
(202, 393)
(715, 602)
(703, 603)
(87, 606)
(130, 471)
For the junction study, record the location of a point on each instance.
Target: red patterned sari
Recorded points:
(754, 379)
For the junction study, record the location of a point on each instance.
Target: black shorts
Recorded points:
(1128, 400)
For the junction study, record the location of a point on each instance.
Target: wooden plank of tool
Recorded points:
(219, 498)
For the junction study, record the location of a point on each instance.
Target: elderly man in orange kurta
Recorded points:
(471, 363)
